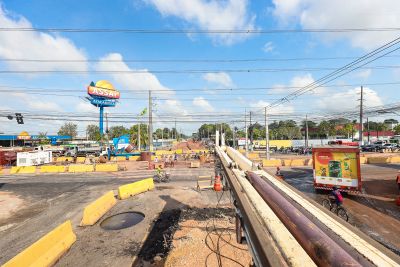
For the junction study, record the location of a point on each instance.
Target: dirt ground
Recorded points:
(373, 211)
(176, 215)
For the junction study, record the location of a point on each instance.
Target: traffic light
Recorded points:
(19, 118)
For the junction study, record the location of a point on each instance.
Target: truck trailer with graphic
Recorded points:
(337, 166)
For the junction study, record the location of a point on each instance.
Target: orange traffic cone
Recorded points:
(398, 201)
(217, 183)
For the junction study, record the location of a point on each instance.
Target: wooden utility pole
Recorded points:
(150, 122)
(361, 119)
(266, 133)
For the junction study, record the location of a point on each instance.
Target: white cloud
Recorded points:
(268, 47)
(296, 83)
(36, 45)
(282, 109)
(211, 15)
(326, 14)
(85, 107)
(364, 74)
(349, 100)
(219, 78)
(143, 81)
(203, 104)
(36, 103)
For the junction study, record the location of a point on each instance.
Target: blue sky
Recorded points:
(192, 15)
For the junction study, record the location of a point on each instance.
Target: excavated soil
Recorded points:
(193, 237)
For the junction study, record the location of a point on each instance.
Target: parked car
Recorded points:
(367, 148)
(388, 146)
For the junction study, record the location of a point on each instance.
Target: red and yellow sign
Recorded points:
(103, 89)
(23, 136)
(336, 167)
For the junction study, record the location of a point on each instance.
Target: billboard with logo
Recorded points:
(337, 166)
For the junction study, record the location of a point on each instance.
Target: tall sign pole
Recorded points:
(102, 94)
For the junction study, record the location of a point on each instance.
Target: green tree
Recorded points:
(144, 137)
(117, 131)
(69, 128)
(93, 132)
(326, 128)
(43, 140)
(396, 129)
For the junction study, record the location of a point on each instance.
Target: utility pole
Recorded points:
(245, 128)
(368, 129)
(266, 133)
(251, 131)
(107, 124)
(361, 119)
(150, 122)
(139, 135)
(306, 132)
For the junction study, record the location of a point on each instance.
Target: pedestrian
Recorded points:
(155, 159)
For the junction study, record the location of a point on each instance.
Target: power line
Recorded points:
(135, 91)
(198, 31)
(181, 60)
(185, 71)
(340, 72)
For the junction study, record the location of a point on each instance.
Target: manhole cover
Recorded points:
(122, 220)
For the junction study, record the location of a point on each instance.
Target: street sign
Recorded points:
(102, 102)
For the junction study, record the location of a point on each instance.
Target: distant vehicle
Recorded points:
(388, 146)
(76, 151)
(34, 158)
(378, 145)
(367, 148)
(343, 143)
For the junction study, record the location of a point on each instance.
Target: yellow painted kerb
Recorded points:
(128, 190)
(93, 212)
(47, 250)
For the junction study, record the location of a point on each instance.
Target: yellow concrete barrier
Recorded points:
(308, 162)
(80, 160)
(394, 159)
(121, 158)
(128, 190)
(52, 169)
(62, 159)
(378, 160)
(363, 160)
(297, 162)
(47, 250)
(93, 212)
(252, 156)
(23, 169)
(80, 168)
(106, 167)
(271, 162)
(134, 158)
(286, 162)
(179, 151)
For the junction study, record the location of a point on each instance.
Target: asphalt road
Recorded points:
(49, 200)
